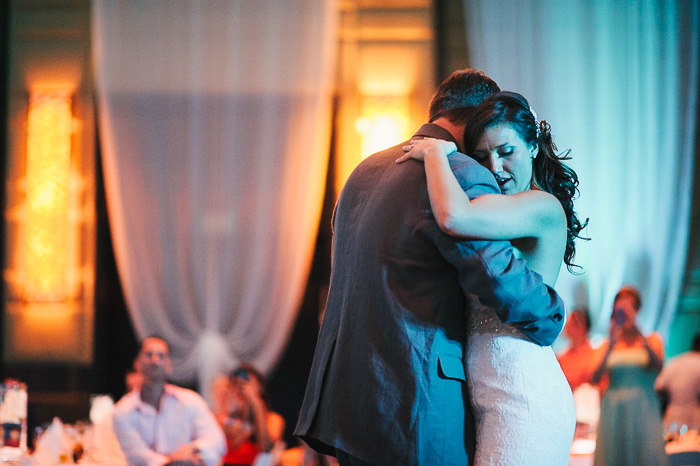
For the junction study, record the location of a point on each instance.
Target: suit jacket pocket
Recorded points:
(451, 367)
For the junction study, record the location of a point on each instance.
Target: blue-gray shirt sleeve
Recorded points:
(490, 270)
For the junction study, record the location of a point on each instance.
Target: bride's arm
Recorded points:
(491, 216)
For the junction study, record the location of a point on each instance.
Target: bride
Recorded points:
(522, 402)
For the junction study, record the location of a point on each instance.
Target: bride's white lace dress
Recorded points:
(522, 402)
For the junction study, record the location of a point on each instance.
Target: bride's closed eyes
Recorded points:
(482, 156)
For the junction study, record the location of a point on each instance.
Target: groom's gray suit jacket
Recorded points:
(387, 383)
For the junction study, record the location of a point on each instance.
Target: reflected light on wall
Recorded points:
(383, 122)
(48, 233)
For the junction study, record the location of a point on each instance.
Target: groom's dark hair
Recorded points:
(462, 89)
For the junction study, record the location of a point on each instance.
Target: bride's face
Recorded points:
(507, 155)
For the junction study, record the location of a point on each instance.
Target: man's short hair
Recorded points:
(153, 337)
(631, 292)
(462, 89)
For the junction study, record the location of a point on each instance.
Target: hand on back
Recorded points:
(419, 148)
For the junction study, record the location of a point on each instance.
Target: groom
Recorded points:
(387, 384)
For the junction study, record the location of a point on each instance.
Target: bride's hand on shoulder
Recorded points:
(420, 148)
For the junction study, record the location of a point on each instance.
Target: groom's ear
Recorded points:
(534, 150)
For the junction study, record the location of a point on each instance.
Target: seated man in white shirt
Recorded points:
(160, 423)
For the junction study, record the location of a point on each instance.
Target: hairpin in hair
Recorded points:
(537, 122)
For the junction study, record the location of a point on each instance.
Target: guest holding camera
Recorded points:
(629, 431)
(244, 413)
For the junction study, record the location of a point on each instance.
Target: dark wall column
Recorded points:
(115, 341)
(451, 48)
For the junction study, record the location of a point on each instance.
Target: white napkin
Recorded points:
(101, 408)
(104, 446)
(48, 447)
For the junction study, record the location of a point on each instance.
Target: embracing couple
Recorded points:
(434, 347)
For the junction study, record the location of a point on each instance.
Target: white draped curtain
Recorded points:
(618, 81)
(214, 120)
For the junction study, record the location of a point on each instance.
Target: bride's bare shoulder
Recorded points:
(542, 204)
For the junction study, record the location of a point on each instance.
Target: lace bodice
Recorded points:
(483, 320)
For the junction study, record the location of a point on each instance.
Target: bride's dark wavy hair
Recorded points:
(549, 172)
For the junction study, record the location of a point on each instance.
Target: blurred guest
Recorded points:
(159, 423)
(629, 430)
(133, 379)
(679, 384)
(576, 360)
(251, 427)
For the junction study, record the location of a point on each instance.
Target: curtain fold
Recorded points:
(618, 82)
(215, 127)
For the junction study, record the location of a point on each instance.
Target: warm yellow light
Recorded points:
(47, 229)
(384, 121)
